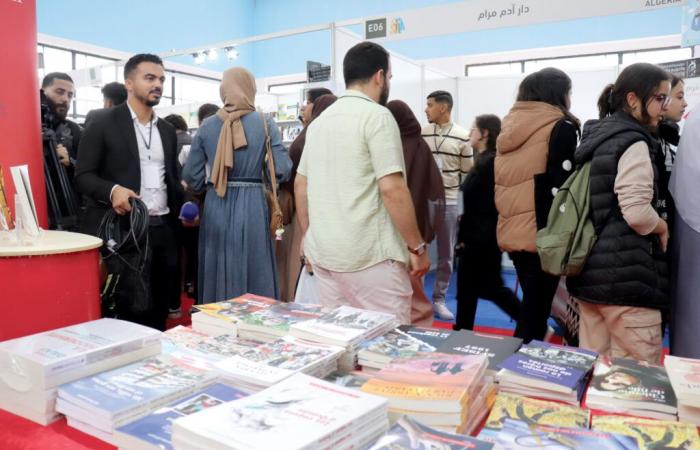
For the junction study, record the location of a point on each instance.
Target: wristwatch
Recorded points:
(418, 250)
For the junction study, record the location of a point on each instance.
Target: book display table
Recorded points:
(50, 284)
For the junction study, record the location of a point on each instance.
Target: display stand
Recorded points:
(51, 283)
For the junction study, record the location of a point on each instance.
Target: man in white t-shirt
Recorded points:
(354, 207)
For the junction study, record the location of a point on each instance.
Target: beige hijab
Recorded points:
(238, 95)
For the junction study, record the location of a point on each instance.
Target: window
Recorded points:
(56, 60)
(488, 70)
(191, 90)
(574, 63)
(657, 56)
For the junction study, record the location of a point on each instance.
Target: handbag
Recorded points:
(276, 216)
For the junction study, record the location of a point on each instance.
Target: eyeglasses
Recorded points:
(664, 99)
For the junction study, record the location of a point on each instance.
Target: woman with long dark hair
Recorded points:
(534, 156)
(479, 273)
(623, 285)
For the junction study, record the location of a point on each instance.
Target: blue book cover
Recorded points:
(156, 428)
(130, 387)
(518, 435)
(565, 366)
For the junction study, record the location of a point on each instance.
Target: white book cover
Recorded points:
(299, 412)
(23, 189)
(344, 324)
(27, 362)
(270, 363)
(685, 379)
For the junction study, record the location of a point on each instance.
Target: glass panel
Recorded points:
(657, 56)
(191, 90)
(573, 63)
(56, 60)
(287, 88)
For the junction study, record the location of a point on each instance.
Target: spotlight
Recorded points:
(231, 52)
(213, 55)
(199, 57)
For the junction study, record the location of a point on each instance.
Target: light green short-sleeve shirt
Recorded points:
(354, 143)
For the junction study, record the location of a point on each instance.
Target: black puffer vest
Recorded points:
(623, 268)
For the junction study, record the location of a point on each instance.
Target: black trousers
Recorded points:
(479, 276)
(165, 273)
(539, 288)
(189, 245)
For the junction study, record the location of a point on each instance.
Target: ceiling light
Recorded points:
(213, 55)
(231, 52)
(199, 57)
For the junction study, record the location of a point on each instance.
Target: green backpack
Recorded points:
(564, 244)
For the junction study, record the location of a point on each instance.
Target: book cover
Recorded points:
(281, 316)
(156, 428)
(226, 345)
(394, 344)
(235, 309)
(685, 378)
(651, 434)
(565, 366)
(632, 382)
(181, 337)
(519, 435)
(409, 434)
(429, 369)
(353, 380)
(508, 406)
(432, 336)
(129, 387)
(6, 222)
(410, 393)
(466, 342)
(301, 410)
(345, 323)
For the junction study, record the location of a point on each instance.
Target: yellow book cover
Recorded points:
(509, 406)
(651, 434)
(235, 309)
(412, 392)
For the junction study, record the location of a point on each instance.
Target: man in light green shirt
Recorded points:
(353, 204)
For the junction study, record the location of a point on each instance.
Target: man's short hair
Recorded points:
(115, 91)
(48, 79)
(206, 110)
(135, 60)
(364, 60)
(442, 97)
(177, 121)
(314, 93)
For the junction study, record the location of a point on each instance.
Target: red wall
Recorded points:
(20, 127)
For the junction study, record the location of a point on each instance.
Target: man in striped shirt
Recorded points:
(450, 146)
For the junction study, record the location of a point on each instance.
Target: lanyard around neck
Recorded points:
(446, 135)
(150, 136)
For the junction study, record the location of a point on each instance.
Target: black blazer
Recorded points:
(108, 154)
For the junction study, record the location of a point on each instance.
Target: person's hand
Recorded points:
(662, 230)
(419, 265)
(190, 223)
(120, 200)
(304, 260)
(62, 154)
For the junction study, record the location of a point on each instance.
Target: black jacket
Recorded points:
(477, 228)
(109, 155)
(623, 268)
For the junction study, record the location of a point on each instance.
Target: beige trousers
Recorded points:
(621, 331)
(384, 287)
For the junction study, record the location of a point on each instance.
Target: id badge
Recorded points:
(438, 161)
(151, 177)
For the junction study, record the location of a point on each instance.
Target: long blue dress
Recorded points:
(236, 254)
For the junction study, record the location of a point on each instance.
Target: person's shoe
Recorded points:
(549, 334)
(442, 312)
(174, 313)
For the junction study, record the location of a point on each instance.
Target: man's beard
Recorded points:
(59, 116)
(384, 96)
(146, 101)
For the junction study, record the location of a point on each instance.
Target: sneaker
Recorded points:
(174, 313)
(442, 312)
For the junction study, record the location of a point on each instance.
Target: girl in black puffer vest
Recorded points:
(623, 286)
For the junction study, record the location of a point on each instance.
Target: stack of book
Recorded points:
(685, 379)
(154, 431)
(436, 389)
(548, 371)
(272, 323)
(268, 364)
(98, 404)
(33, 366)
(345, 327)
(377, 353)
(651, 434)
(409, 434)
(353, 380)
(300, 412)
(531, 411)
(208, 352)
(519, 435)
(631, 387)
(223, 317)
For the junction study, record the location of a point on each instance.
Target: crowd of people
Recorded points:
(364, 190)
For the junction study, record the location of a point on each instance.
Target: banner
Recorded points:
(475, 15)
(19, 100)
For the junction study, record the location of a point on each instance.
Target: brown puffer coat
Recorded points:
(522, 150)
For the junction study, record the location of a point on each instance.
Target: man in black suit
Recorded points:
(128, 152)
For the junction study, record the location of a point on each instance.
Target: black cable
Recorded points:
(136, 239)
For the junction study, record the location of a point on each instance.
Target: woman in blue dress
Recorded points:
(236, 253)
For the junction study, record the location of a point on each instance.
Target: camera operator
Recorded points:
(59, 91)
